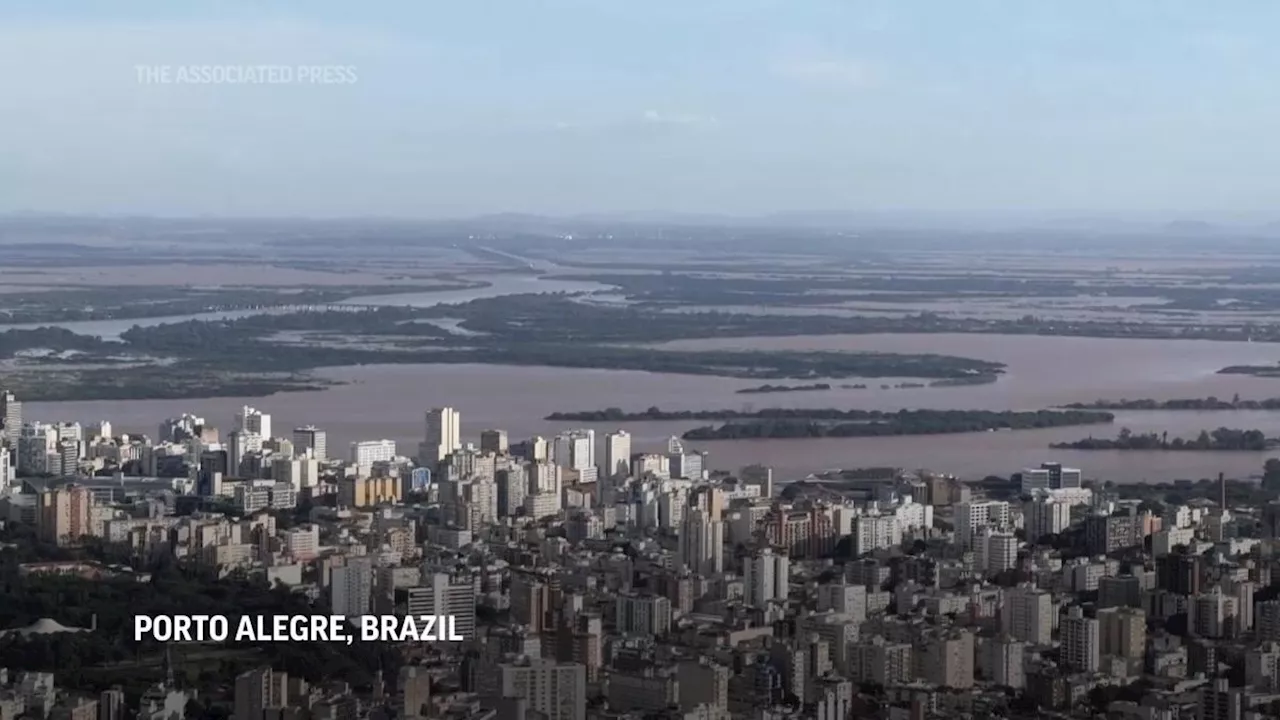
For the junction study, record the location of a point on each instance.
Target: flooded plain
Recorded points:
(389, 401)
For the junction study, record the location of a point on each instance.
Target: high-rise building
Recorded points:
(1050, 476)
(996, 551)
(413, 692)
(1262, 667)
(617, 454)
(530, 601)
(11, 415)
(947, 660)
(1027, 615)
(971, 516)
(240, 445)
(1213, 614)
(640, 614)
(64, 515)
(494, 441)
(1122, 632)
(576, 450)
(879, 661)
(1081, 647)
(111, 704)
(1044, 515)
(702, 543)
(258, 690)
(444, 594)
(313, 439)
(351, 587)
(766, 577)
(1220, 701)
(443, 435)
(366, 453)
(844, 598)
(1000, 660)
(1179, 572)
(254, 421)
(689, 465)
(557, 691)
(37, 449)
(8, 472)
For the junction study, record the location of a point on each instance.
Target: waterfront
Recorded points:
(388, 401)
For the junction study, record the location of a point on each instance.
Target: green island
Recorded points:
(246, 356)
(809, 290)
(873, 423)
(981, 379)
(267, 353)
(1224, 439)
(78, 304)
(1186, 404)
(1267, 371)
(764, 389)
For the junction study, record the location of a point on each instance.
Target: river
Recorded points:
(388, 401)
(498, 286)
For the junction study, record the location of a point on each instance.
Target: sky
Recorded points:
(436, 108)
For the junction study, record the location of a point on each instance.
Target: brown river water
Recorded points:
(388, 402)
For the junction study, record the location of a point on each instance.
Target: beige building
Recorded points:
(64, 515)
(1123, 632)
(366, 492)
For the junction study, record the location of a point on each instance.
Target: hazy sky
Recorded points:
(723, 106)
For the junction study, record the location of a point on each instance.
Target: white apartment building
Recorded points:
(843, 598)
(767, 578)
(576, 450)
(1050, 476)
(311, 440)
(644, 615)
(442, 435)
(254, 421)
(873, 532)
(366, 453)
(617, 454)
(1044, 515)
(971, 516)
(557, 691)
(1081, 645)
(1027, 615)
(702, 542)
(351, 587)
(996, 551)
(444, 594)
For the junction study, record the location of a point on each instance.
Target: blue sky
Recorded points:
(1165, 107)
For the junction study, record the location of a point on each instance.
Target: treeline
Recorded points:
(56, 339)
(763, 389)
(1220, 439)
(95, 661)
(1255, 370)
(1192, 404)
(904, 422)
(245, 345)
(109, 303)
(990, 418)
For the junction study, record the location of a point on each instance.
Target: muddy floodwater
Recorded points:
(388, 402)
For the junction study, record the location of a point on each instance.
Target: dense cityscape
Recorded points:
(661, 360)
(590, 580)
